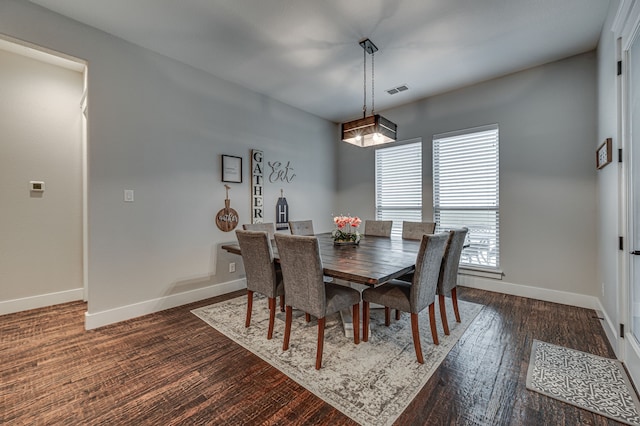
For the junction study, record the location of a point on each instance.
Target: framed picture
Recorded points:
(231, 169)
(603, 154)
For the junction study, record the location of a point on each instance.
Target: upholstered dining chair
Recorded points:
(262, 275)
(414, 297)
(302, 273)
(301, 227)
(378, 228)
(448, 279)
(305, 227)
(269, 228)
(415, 230)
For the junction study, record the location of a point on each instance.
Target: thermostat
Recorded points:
(36, 186)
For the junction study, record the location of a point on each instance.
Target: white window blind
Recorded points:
(466, 191)
(399, 184)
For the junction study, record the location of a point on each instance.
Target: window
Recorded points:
(465, 191)
(399, 184)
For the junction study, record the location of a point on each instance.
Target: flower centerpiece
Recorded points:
(346, 231)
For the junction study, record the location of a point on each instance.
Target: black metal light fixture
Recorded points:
(374, 129)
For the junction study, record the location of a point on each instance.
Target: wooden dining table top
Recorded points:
(374, 261)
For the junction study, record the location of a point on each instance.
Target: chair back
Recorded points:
(302, 273)
(378, 228)
(301, 227)
(450, 263)
(257, 257)
(415, 230)
(425, 278)
(269, 228)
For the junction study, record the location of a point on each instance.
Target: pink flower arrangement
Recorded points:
(346, 229)
(344, 221)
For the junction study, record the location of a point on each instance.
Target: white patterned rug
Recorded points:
(593, 383)
(372, 382)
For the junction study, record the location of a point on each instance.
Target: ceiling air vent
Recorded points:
(398, 89)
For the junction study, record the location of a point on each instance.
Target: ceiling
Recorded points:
(305, 52)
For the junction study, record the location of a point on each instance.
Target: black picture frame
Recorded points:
(231, 169)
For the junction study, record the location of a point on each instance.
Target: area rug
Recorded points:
(372, 382)
(593, 383)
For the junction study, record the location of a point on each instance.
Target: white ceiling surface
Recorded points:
(306, 53)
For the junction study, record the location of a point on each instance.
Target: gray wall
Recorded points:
(547, 118)
(159, 127)
(40, 118)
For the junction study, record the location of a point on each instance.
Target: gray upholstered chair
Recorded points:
(305, 227)
(262, 275)
(269, 228)
(415, 230)
(378, 228)
(414, 297)
(448, 279)
(301, 227)
(302, 272)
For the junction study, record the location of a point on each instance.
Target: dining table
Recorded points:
(372, 262)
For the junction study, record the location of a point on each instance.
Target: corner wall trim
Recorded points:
(123, 313)
(40, 301)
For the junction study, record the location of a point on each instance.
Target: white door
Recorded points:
(631, 101)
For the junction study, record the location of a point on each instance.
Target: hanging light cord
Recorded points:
(373, 107)
(364, 105)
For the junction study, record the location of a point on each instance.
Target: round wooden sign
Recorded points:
(227, 218)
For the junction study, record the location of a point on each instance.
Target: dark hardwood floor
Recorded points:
(171, 368)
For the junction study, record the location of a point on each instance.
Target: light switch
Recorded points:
(128, 195)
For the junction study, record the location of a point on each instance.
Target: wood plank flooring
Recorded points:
(170, 368)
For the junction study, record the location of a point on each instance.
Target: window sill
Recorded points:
(495, 274)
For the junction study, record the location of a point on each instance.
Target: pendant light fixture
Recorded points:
(374, 129)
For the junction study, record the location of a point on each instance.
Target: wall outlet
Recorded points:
(232, 267)
(602, 289)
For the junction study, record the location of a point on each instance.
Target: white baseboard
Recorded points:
(548, 295)
(123, 313)
(40, 301)
(609, 329)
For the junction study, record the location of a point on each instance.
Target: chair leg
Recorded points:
(432, 322)
(387, 316)
(454, 298)
(443, 314)
(307, 317)
(249, 308)
(320, 342)
(416, 337)
(397, 314)
(356, 323)
(365, 321)
(282, 303)
(272, 316)
(287, 328)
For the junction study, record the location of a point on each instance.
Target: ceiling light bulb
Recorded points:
(358, 138)
(376, 136)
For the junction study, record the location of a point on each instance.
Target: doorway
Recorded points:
(42, 177)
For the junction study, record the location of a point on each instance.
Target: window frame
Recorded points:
(412, 208)
(483, 251)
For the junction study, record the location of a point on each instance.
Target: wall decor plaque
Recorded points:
(227, 218)
(282, 212)
(604, 153)
(257, 186)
